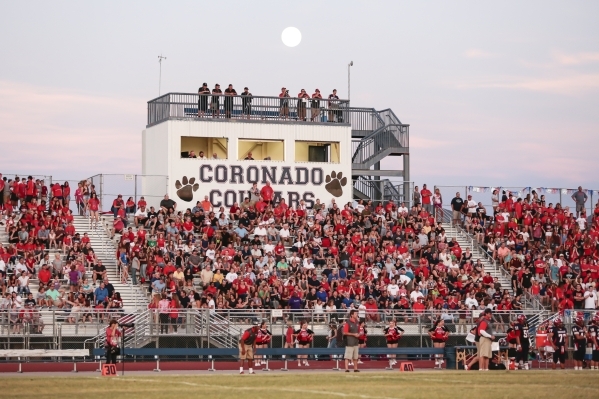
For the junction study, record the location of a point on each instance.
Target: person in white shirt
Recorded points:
(260, 231)
(20, 267)
(231, 276)
(471, 302)
(393, 289)
(2, 267)
(402, 209)
(590, 297)
(268, 247)
(471, 206)
(256, 252)
(582, 222)
(405, 280)
(210, 253)
(414, 295)
(308, 264)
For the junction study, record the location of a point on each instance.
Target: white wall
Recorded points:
(227, 180)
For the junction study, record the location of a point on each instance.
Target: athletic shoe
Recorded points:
(241, 372)
(356, 371)
(252, 372)
(347, 371)
(306, 364)
(360, 362)
(351, 363)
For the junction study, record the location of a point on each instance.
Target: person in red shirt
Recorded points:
(426, 195)
(113, 335)
(393, 334)
(247, 346)
(267, 193)
(93, 205)
(29, 189)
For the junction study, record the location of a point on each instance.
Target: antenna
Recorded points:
(160, 58)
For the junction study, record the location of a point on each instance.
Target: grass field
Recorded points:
(366, 385)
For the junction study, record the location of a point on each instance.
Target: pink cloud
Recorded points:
(66, 132)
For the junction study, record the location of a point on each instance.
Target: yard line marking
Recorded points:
(244, 388)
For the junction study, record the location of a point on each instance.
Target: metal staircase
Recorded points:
(368, 188)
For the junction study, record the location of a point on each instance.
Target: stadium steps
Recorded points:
(477, 253)
(134, 297)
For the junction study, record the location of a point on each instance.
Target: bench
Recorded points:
(28, 353)
(268, 353)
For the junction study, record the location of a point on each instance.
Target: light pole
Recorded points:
(160, 58)
(351, 63)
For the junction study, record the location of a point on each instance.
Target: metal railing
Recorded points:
(187, 105)
(373, 147)
(554, 195)
(383, 190)
(224, 326)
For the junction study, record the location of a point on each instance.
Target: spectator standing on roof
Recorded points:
(334, 107)
(246, 103)
(315, 106)
(580, 198)
(301, 104)
(229, 93)
(216, 93)
(284, 111)
(203, 93)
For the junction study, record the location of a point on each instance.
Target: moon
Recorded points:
(291, 36)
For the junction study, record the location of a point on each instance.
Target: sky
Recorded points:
(496, 93)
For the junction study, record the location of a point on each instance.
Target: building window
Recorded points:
(317, 151)
(261, 150)
(204, 147)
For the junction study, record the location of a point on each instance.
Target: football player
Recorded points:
(579, 333)
(558, 337)
(522, 342)
(593, 341)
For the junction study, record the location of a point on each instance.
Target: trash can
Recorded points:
(450, 357)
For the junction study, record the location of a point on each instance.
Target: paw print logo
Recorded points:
(335, 183)
(185, 188)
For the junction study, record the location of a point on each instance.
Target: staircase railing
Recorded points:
(218, 330)
(379, 190)
(389, 136)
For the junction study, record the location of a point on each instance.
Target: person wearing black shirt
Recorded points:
(216, 93)
(229, 93)
(457, 204)
(203, 92)
(334, 107)
(246, 103)
(168, 203)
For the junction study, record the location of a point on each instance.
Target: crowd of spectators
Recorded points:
(43, 248)
(385, 259)
(209, 104)
(379, 258)
(550, 251)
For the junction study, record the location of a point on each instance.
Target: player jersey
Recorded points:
(393, 333)
(362, 334)
(579, 342)
(511, 336)
(439, 332)
(522, 330)
(304, 336)
(263, 337)
(558, 336)
(594, 336)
